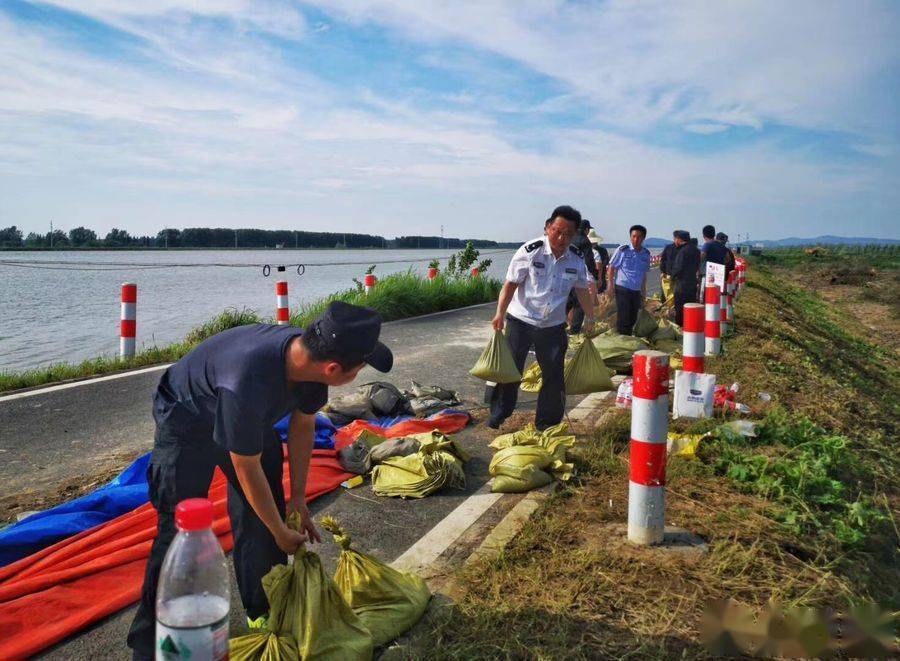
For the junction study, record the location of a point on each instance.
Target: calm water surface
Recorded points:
(58, 314)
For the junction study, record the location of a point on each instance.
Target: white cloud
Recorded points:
(213, 127)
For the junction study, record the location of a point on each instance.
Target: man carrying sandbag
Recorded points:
(217, 407)
(532, 306)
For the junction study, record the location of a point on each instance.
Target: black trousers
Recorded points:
(628, 303)
(550, 346)
(685, 292)
(182, 469)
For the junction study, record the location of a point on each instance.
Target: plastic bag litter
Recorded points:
(585, 372)
(496, 362)
(531, 378)
(417, 475)
(308, 617)
(683, 445)
(388, 602)
(645, 324)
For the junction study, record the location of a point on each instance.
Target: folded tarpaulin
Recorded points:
(56, 592)
(127, 491)
(97, 572)
(123, 494)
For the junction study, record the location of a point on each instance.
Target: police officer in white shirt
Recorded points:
(532, 308)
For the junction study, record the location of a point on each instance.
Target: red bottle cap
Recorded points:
(194, 514)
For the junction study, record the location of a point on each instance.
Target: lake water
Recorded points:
(68, 310)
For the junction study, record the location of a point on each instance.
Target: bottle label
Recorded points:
(207, 643)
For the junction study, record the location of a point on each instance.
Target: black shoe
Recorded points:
(494, 424)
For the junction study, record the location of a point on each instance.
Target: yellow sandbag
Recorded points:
(668, 287)
(510, 479)
(669, 346)
(586, 372)
(645, 324)
(308, 617)
(418, 475)
(531, 378)
(616, 350)
(496, 362)
(520, 456)
(388, 602)
(667, 330)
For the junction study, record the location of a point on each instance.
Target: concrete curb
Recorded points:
(416, 643)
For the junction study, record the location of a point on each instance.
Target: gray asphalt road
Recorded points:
(58, 435)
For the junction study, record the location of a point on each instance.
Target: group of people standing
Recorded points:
(555, 280)
(683, 265)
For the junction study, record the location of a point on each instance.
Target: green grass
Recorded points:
(868, 257)
(396, 296)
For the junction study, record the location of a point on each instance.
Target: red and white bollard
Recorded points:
(128, 320)
(649, 432)
(432, 273)
(723, 312)
(282, 306)
(369, 282)
(729, 299)
(712, 327)
(694, 337)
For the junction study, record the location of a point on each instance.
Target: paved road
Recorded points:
(110, 419)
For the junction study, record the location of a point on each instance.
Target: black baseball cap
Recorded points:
(351, 332)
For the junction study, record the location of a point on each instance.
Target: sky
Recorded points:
(767, 119)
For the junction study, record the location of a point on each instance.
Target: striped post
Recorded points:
(694, 338)
(369, 282)
(128, 320)
(713, 316)
(723, 312)
(649, 431)
(729, 298)
(432, 273)
(282, 307)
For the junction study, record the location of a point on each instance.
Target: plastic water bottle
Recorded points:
(192, 599)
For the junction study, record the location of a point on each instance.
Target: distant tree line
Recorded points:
(223, 237)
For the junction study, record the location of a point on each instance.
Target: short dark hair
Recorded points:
(566, 212)
(709, 232)
(694, 241)
(639, 228)
(321, 353)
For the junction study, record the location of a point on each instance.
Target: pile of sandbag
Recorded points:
(616, 350)
(437, 463)
(529, 459)
(372, 401)
(585, 371)
(311, 616)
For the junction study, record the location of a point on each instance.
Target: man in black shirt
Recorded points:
(684, 273)
(217, 407)
(711, 250)
(583, 244)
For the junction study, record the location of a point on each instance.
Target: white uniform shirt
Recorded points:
(544, 283)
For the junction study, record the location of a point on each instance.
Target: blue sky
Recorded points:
(390, 117)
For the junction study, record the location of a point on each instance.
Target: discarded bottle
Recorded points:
(192, 599)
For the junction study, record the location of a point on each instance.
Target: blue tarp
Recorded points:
(123, 494)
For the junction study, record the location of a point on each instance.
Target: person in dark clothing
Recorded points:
(730, 263)
(684, 273)
(216, 407)
(668, 255)
(665, 264)
(711, 250)
(574, 311)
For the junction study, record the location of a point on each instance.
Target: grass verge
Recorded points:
(802, 515)
(396, 296)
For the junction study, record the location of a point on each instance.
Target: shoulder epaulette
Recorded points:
(577, 251)
(534, 245)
